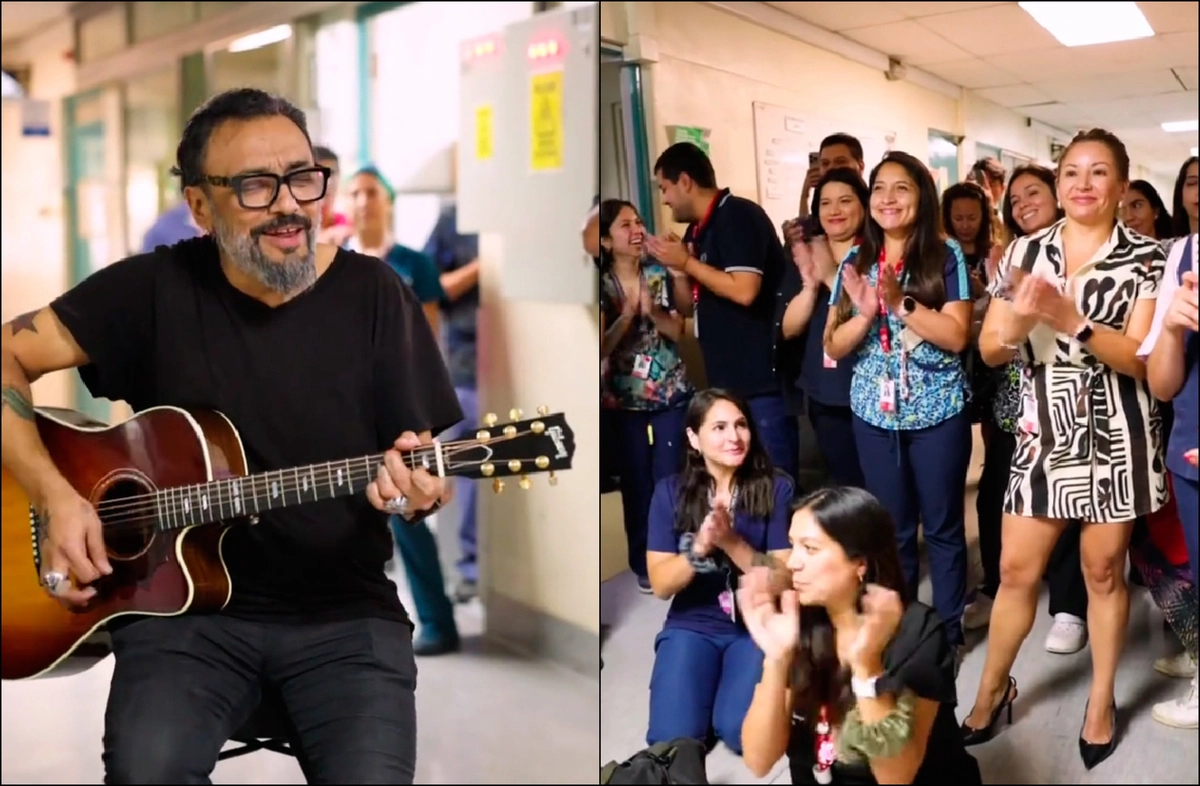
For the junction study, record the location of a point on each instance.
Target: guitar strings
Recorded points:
(415, 459)
(136, 520)
(134, 512)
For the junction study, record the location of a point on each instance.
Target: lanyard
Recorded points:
(824, 749)
(885, 333)
(696, 228)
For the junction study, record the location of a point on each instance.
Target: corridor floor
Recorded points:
(1040, 747)
(484, 716)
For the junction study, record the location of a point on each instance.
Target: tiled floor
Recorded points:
(483, 717)
(1040, 747)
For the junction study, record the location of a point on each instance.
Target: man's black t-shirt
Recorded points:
(338, 372)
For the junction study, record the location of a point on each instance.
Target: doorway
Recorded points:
(91, 234)
(624, 154)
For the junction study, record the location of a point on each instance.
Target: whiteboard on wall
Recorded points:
(783, 140)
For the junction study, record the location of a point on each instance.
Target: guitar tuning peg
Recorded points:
(543, 410)
(490, 419)
(553, 479)
(525, 483)
(497, 485)
(515, 414)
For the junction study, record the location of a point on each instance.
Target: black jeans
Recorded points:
(183, 685)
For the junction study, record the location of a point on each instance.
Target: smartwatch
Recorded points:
(1084, 334)
(907, 306)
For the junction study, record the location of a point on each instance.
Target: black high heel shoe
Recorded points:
(973, 736)
(1093, 753)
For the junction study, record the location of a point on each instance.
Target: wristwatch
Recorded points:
(870, 688)
(907, 306)
(1084, 334)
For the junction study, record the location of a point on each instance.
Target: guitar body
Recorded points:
(156, 573)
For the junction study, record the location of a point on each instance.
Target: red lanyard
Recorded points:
(824, 749)
(885, 334)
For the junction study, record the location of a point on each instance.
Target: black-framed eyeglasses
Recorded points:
(259, 190)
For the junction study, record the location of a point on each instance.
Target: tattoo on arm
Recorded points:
(781, 576)
(25, 322)
(16, 401)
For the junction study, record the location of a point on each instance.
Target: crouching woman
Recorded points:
(858, 681)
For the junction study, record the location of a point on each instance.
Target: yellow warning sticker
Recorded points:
(483, 132)
(546, 121)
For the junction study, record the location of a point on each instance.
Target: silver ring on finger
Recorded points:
(396, 505)
(53, 580)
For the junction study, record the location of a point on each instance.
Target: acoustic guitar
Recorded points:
(167, 485)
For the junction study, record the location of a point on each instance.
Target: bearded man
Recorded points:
(315, 354)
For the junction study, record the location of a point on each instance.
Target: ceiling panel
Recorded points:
(844, 16)
(1170, 17)
(972, 74)
(1114, 86)
(997, 50)
(908, 41)
(1015, 96)
(1187, 77)
(991, 30)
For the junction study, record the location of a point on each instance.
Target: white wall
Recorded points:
(34, 267)
(415, 100)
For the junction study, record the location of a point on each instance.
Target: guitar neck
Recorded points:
(249, 495)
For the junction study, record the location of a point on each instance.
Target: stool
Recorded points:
(267, 729)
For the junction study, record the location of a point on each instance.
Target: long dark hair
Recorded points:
(1182, 223)
(925, 256)
(755, 478)
(858, 522)
(973, 192)
(1044, 174)
(610, 209)
(1162, 219)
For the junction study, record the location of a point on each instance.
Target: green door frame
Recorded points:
(79, 265)
(362, 17)
(631, 83)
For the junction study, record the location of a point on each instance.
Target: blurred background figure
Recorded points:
(335, 226)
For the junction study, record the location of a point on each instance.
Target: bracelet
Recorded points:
(880, 740)
(700, 564)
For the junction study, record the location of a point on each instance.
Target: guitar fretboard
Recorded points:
(249, 495)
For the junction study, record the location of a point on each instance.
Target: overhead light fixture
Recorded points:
(272, 35)
(1084, 24)
(1179, 125)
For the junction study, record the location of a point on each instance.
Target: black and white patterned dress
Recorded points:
(1096, 455)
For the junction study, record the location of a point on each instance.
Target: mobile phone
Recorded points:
(813, 159)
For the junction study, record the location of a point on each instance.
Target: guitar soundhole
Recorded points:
(130, 518)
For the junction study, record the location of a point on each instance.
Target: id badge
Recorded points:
(727, 604)
(641, 366)
(696, 321)
(887, 396)
(828, 362)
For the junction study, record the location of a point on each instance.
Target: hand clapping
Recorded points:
(774, 628)
(1182, 313)
(881, 613)
(858, 288)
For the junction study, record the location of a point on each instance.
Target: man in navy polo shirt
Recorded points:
(734, 258)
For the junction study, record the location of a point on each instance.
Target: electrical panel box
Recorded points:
(528, 155)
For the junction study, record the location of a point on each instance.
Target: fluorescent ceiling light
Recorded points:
(262, 38)
(1179, 125)
(1084, 24)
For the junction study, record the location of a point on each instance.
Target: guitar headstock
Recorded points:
(515, 449)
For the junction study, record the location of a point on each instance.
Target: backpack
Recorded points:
(678, 761)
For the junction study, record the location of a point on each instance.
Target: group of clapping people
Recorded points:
(1056, 309)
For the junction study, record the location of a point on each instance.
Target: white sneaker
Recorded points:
(1180, 666)
(1183, 713)
(978, 614)
(1067, 635)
